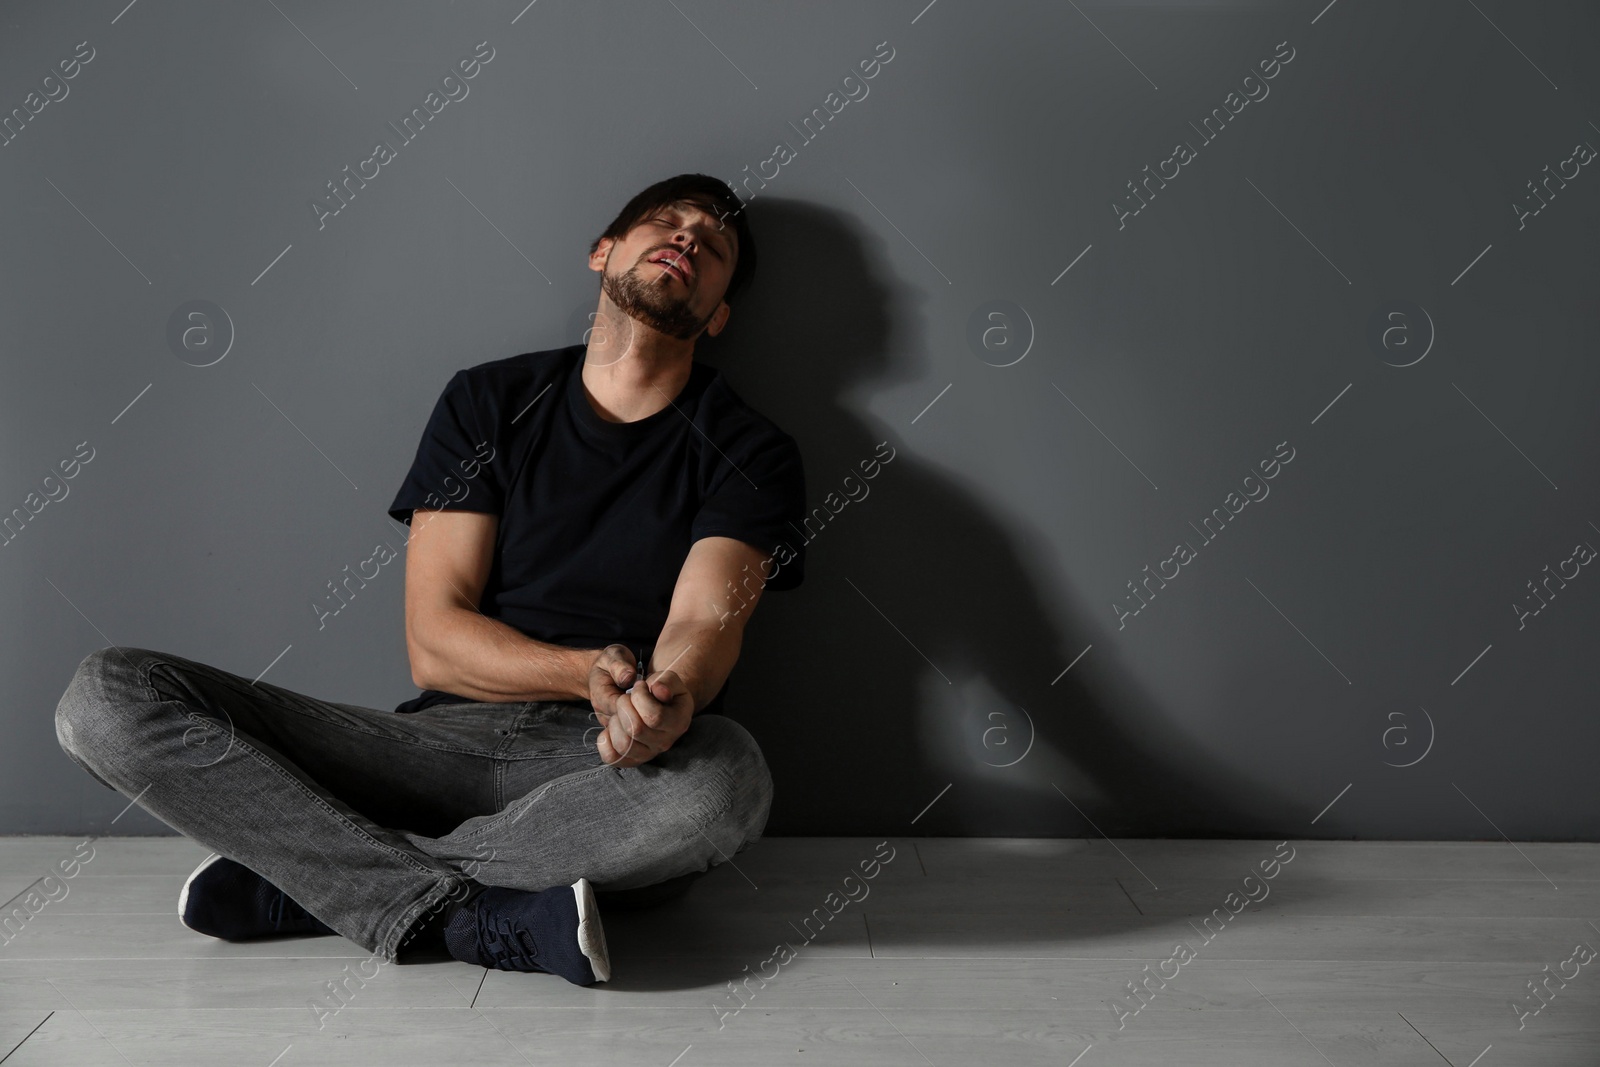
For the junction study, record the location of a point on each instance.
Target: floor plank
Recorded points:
(1170, 860)
(1289, 894)
(173, 1038)
(1247, 937)
(221, 983)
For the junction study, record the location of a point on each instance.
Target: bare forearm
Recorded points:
(702, 653)
(464, 652)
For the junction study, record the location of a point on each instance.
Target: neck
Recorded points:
(631, 371)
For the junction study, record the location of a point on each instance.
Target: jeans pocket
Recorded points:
(555, 730)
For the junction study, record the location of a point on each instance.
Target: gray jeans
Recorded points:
(371, 820)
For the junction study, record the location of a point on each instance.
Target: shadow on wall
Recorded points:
(860, 731)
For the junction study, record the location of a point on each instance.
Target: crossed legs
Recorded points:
(371, 820)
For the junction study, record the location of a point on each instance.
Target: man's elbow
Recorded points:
(418, 678)
(423, 669)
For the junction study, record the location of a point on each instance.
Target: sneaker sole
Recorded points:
(591, 935)
(183, 895)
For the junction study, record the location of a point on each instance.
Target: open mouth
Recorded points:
(672, 263)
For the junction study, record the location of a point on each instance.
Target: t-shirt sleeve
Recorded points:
(760, 499)
(458, 462)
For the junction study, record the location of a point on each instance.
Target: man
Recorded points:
(591, 529)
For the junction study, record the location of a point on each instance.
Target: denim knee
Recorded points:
(736, 753)
(104, 678)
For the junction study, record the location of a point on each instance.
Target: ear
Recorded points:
(597, 258)
(719, 319)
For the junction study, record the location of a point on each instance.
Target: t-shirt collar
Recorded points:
(583, 411)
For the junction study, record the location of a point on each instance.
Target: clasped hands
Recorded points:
(636, 727)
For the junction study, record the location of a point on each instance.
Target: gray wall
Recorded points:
(1358, 617)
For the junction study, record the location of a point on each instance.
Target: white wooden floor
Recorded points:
(993, 952)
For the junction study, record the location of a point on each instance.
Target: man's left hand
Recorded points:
(648, 720)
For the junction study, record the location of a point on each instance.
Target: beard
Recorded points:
(651, 304)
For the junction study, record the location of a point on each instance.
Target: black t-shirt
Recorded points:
(596, 517)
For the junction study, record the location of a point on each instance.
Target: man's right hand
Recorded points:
(614, 672)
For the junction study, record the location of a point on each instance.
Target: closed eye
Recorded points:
(715, 246)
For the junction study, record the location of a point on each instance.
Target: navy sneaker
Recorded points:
(223, 898)
(556, 931)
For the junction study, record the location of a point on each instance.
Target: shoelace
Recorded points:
(504, 941)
